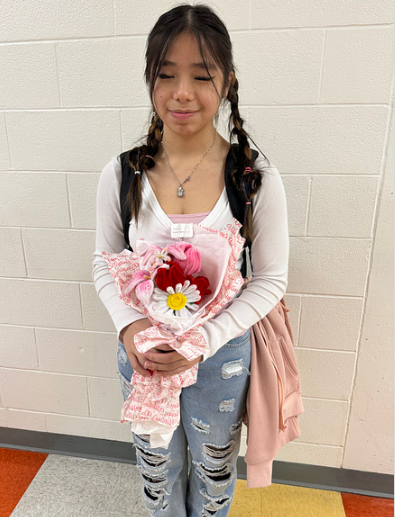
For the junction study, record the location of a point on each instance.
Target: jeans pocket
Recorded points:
(239, 341)
(125, 370)
(125, 386)
(123, 362)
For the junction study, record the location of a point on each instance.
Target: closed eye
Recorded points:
(200, 78)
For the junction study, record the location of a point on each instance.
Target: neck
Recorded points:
(188, 145)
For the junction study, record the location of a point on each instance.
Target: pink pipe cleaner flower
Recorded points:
(186, 256)
(153, 257)
(142, 284)
(177, 250)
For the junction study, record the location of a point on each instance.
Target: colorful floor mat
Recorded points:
(19, 468)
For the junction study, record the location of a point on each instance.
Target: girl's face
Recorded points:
(184, 95)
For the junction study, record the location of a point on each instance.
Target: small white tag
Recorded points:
(181, 230)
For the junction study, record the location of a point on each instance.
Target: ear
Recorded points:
(228, 85)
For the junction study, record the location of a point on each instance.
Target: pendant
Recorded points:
(180, 191)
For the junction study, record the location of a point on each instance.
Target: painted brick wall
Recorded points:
(317, 94)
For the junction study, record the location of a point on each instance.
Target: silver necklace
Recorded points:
(180, 190)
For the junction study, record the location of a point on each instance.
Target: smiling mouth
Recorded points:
(182, 114)
(183, 111)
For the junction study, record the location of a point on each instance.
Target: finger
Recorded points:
(180, 365)
(160, 367)
(164, 348)
(163, 358)
(161, 364)
(137, 366)
(176, 371)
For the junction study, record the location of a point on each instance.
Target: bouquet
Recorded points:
(178, 286)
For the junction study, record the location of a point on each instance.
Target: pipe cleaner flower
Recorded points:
(178, 301)
(153, 257)
(186, 256)
(170, 277)
(202, 283)
(176, 293)
(142, 284)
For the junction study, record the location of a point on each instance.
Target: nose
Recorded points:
(183, 91)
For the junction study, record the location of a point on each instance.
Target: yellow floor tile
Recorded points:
(246, 502)
(285, 501)
(294, 501)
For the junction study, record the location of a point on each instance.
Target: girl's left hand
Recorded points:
(167, 361)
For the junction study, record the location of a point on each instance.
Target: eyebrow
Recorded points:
(201, 65)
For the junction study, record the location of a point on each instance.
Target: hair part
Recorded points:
(214, 45)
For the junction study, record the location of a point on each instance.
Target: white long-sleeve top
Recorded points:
(269, 252)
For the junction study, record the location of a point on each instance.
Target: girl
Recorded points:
(187, 172)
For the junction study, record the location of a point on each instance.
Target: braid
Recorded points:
(246, 179)
(140, 159)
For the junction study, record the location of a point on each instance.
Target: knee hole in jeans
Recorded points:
(218, 454)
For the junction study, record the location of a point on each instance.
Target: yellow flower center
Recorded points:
(176, 301)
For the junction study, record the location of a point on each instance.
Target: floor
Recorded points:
(34, 484)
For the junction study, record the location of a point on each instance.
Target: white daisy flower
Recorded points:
(179, 301)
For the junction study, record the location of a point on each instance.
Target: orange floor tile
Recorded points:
(364, 506)
(17, 470)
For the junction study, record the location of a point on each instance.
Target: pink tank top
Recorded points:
(188, 218)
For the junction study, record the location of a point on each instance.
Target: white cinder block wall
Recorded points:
(317, 93)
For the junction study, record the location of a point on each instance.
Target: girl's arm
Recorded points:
(128, 321)
(270, 257)
(110, 238)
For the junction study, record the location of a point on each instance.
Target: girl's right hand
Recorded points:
(136, 359)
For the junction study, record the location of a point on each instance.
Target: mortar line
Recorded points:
(389, 128)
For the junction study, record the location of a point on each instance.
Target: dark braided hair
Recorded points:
(247, 180)
(140, 159)
(213, 40)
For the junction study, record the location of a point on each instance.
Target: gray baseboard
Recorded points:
(298, 474)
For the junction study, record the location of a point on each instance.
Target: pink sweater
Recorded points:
(274, 397)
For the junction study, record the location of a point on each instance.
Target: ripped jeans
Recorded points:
(196, 475)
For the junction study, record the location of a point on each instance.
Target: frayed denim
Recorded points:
(196, 475)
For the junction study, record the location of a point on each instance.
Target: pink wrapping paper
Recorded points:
(153, 406)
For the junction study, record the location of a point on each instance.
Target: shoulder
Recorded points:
(271, 181)
(265, 166)
(109, 182)
(269, 172)
(111, 173)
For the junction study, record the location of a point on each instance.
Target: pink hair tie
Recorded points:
(248, 203)
(149, 156)
(248, 170)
